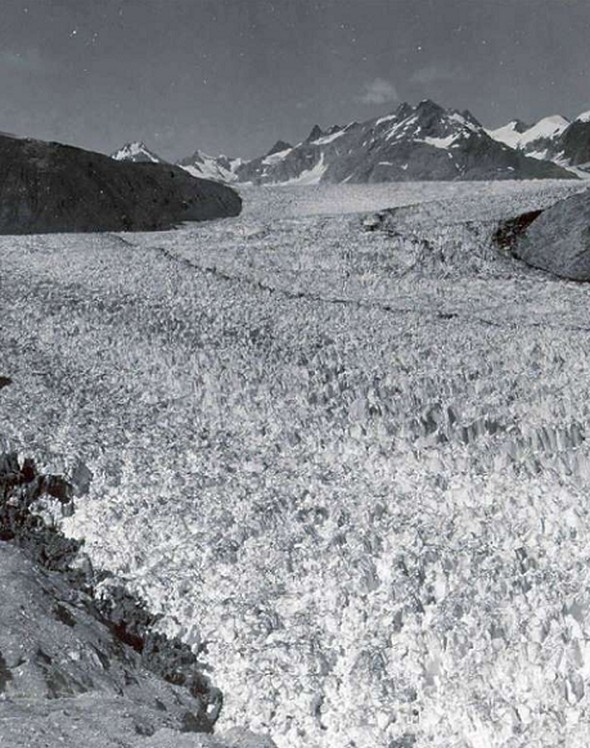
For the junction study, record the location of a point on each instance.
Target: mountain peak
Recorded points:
(584, 117)
(316, 132)
(137, 151)
(429, 106)
(279, 146)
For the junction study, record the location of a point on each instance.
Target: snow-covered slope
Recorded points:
(553, 138)
(509, 134)
(217, 168)
(422, 142)
(137, 151)
(517, 135)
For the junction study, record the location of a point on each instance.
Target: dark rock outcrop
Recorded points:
(573, 146)
(48, 187)
(315, 134)
(558, 240)
(508, 233)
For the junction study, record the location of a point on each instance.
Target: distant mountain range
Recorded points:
(552, 138)
(421, 142)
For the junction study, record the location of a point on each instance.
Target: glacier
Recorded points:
(347, 452)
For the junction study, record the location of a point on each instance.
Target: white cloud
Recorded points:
(379, 91)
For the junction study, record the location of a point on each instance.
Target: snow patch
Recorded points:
(274, 158)
(548, 127)
(442, 143)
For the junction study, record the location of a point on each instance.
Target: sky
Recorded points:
(234, 76)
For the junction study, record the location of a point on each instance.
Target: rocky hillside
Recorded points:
(48, 187)
(79, 666)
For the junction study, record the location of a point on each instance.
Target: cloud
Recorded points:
(379, 91)
(436, 74)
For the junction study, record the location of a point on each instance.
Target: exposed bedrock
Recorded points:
(48, 187)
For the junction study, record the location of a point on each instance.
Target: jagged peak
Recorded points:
(136, 150)
(280, 145)
(316, 132)
(428, 105)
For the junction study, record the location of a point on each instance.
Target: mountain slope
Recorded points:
(48, 187)
(422, 142)
(573, 147)
(217, 168)
(138, 152)
(554, 138)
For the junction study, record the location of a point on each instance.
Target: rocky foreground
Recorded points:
(78, 666)
(48, 188)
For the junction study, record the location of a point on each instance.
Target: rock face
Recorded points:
(423, 142)
(48, 187)
(558, 240)
(574, 144)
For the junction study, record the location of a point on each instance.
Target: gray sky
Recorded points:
(233, 76)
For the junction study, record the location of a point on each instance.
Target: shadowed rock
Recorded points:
(509, 232)
(48, 187)
(559, 239)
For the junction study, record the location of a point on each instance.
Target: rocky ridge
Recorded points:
(49, 187)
